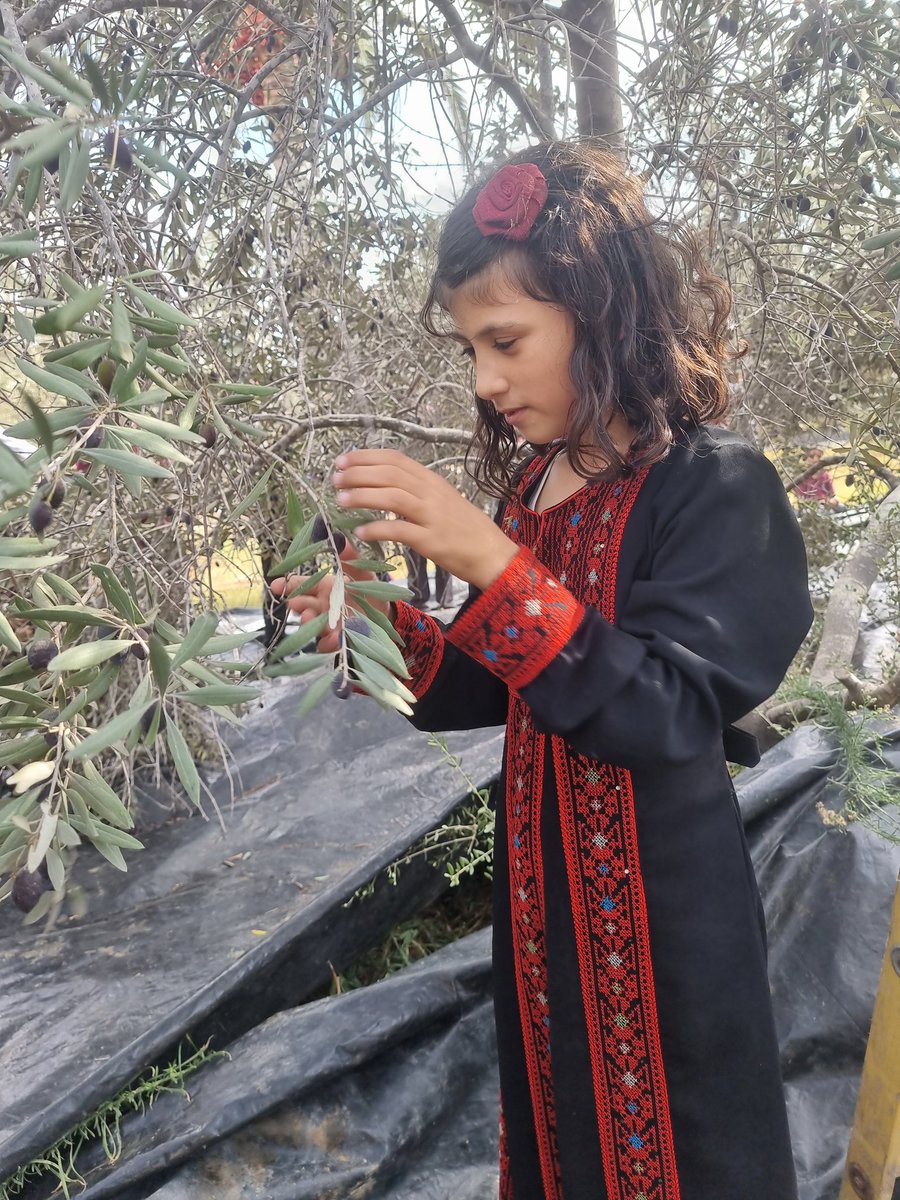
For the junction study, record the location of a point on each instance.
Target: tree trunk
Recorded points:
(592, 34)
(841, 627)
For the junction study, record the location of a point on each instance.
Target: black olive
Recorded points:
(321, 533)
(55, 493)
(40, 654)
(40, 515)
(342, 686)
(94, 438)
(209, 433)
(27, 889)
(150, 716)
(358, 625)
(117, 146)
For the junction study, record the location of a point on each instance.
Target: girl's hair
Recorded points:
(650, 317)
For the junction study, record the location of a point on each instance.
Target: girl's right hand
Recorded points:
(316, 601)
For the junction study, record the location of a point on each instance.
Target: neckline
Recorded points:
(547, 464)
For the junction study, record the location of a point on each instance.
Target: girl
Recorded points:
(643, 588)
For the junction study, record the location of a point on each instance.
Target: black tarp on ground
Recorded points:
(185, 942)
(389, 1092)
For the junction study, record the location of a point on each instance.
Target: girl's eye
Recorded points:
(469, 352)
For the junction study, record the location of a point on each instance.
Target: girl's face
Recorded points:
(521, 349)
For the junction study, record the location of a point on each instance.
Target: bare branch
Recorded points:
(541, 122)
(423, 68)
(592, 26)
(421, 433)
(861, 320)
(35, 24)
(36, 20)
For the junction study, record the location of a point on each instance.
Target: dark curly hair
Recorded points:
(650, 317)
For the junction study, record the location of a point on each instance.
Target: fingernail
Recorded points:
(337, 478)
(343, 497)
(360, 532)
(341, 461)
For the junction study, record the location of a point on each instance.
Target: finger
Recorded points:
(377, 476)
(365, 458)
(294, 582)
(307, 606)
(329, 643)
(386, 499)
(407, 533)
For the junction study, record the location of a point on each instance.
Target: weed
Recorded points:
(103, 1125)
(869, 787)
(458, 912)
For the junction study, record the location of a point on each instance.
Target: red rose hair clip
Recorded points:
(510, 201)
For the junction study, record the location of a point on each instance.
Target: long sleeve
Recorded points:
(706, 631)
(453, 690)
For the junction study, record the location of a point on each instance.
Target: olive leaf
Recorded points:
(314, 694)
(115, 730)
(183, 762)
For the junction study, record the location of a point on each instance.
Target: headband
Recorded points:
(510, 201)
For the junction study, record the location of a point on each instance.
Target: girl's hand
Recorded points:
(316, 601)
(432, 517)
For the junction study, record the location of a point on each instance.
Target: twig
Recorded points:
(421, 433)
(539, 121)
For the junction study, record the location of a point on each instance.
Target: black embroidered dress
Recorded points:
(638, 1059)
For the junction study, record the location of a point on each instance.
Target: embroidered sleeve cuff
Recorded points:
(423, 647)
(520, 623)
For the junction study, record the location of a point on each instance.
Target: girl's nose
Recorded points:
(489, 382)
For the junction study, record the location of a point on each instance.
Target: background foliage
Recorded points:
(216, 230)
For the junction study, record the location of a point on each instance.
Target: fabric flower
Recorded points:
(510, 201)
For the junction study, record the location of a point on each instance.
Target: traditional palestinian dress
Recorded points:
(638, 1057)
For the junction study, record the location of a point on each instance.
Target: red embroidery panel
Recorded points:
(608, 907)
(580, 540)
(423, 648)
(506, 1191)
(520, 623)
(524, 787)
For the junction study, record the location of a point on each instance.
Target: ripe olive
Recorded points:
(117, 151)
(40, 654)
(40, 515)
(27, 889)
(55, 493)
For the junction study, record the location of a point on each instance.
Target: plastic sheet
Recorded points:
(212, 931)
(390, 1092)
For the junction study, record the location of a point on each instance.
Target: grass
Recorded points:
(102, 1127)
(461, 910)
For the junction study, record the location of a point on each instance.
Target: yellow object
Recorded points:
(873, 1159)
(236, 577)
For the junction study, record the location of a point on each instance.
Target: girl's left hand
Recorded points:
(432, 516)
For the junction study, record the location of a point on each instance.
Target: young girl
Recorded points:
(643, 588)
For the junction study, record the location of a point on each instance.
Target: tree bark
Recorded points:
(593, 37)
(840, 631)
